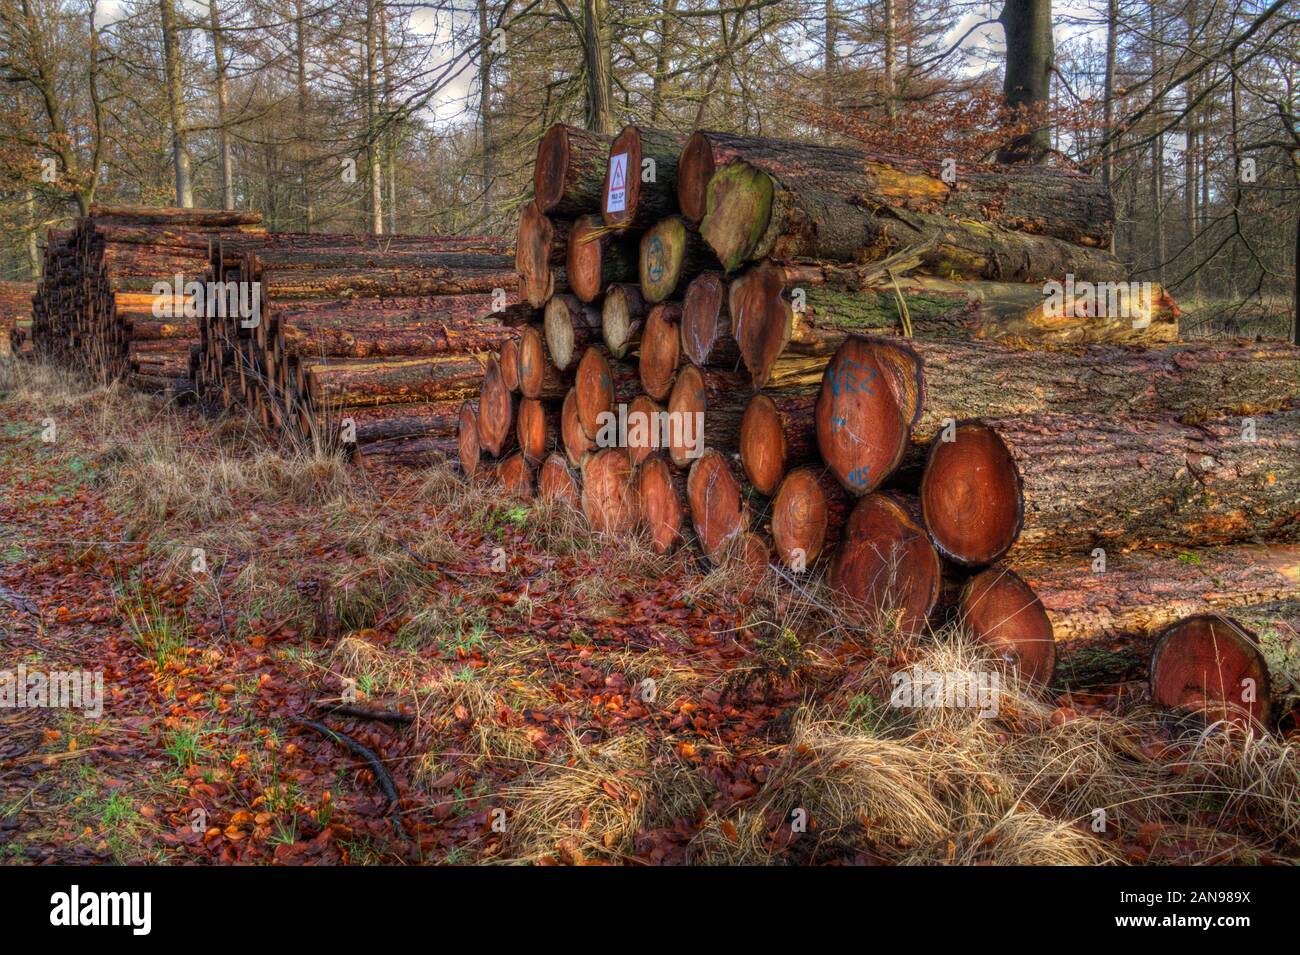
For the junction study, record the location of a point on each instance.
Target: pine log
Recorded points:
(661, 502)
(1040, 200)
(569, 173)
(999, 609)
(643, 431)
(556, 482)
(621, 319)
(538, 376)
(777, 431)
(508, 359)
(1213, 667)
(808, 513)
(661, 350)
(576, 443)
(608, 498)
(515, 476)
(597, 257)
(705, 409)
(706, 322)
(571, 327)
(385, 381)
(715, 498)
(671, 254)
(754, 215)
(862, 425)
(540, 247)
(467, 443)
(538, 430)
(496, 411)
(885, 575)
(1082, 481)
(649, 189)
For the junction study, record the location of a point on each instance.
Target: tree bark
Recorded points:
(1027, 82)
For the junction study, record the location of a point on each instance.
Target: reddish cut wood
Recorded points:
(533, 430)
(596, 258)
(642, 202)
(800, 518)
(1002, 611)
(576, 443)
(762, 444)
(705, 316)
(538, 376)
(761, 319)
(688, 400)
(594, 384)
(509, 361)
(467, 440)
(541, 244)
(661, 350)
(716, 504)
(643, 432)
(886, 575)
(555, 481)
(971, 499)
(496, 410)
(862, 430)
(569, 171)
(1212, 666)
(607, 495)
(516, 476)
(660, 503)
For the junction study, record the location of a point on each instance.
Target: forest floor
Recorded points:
(590, 702)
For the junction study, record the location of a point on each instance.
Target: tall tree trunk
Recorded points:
(33, 250)
(485, 107)
(600, 79)
(176, 104)
(1027, 83)
(662, 59)
(829, 38)
(1157, 159)
(390, 128)
(223, 133)
(1108, 95)
(300, 53)
(891, 58)
(376, 190)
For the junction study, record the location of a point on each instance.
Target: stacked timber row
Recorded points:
(113, 300)
(941, 391)
(16, 317)
(369, 342)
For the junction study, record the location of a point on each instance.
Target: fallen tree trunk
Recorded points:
(1082, 481)
(1038, 200)
(637, 194)
(569, 172)
(597, 257)
(754, 215)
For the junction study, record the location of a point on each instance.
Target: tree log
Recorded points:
(385, 381)
(862, 426)
(714, 497)
(1212, 666)
(571, 327)
(649, 192)
(661, 350)
(1001, 610)
(467, 440)
(541, 245)
(538, 376)
(496, 411)
(569, 173)
(608, 498)
(555, 481)
(597, 257)
(576, 443)
(671, 254)
(706, 322)
(622, 316)
(661, 500)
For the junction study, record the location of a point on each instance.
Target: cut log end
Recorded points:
(663, 254)
(971, 497)
(532, 430)
(694, 172)
(533, 255)
(607, 493)
(861, 429)
(886, 575)
(594, 385)
(537, 374)
(701, 310)
(660, 504)
(661, 350)
(799, 519)
(550, 171)
(496, 410)
(618, 207)
(739, 207)
(467, 440)
(555, 481)
(762, 321)
(1211, 666)
(509, 361)
(762, 444)
(621, 316)
(716, 503)
(687, 403)
(558, 328)
(585, 268)
(576, 443)
(1002, 611)
(642, 428)
(516, 476)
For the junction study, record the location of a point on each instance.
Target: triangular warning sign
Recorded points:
(617, 181)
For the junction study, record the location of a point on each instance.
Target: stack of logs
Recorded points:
(101, 305)
(366, 341)
(888, 394)
(16, 318)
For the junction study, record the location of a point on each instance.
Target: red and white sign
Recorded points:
(616, 197)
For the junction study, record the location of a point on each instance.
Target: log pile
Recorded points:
(112, 300)
(940, 389)
(16, 317)
(362, 341)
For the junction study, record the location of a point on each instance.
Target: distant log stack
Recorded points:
(116, 299)
(367, 342)
(934, 386)
(16, 318)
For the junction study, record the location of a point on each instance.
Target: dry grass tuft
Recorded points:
(1023, 837)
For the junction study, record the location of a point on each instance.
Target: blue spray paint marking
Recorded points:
(860, 476)
(655, 259)
(850, 377)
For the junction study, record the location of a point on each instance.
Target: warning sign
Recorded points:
(616, 197)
